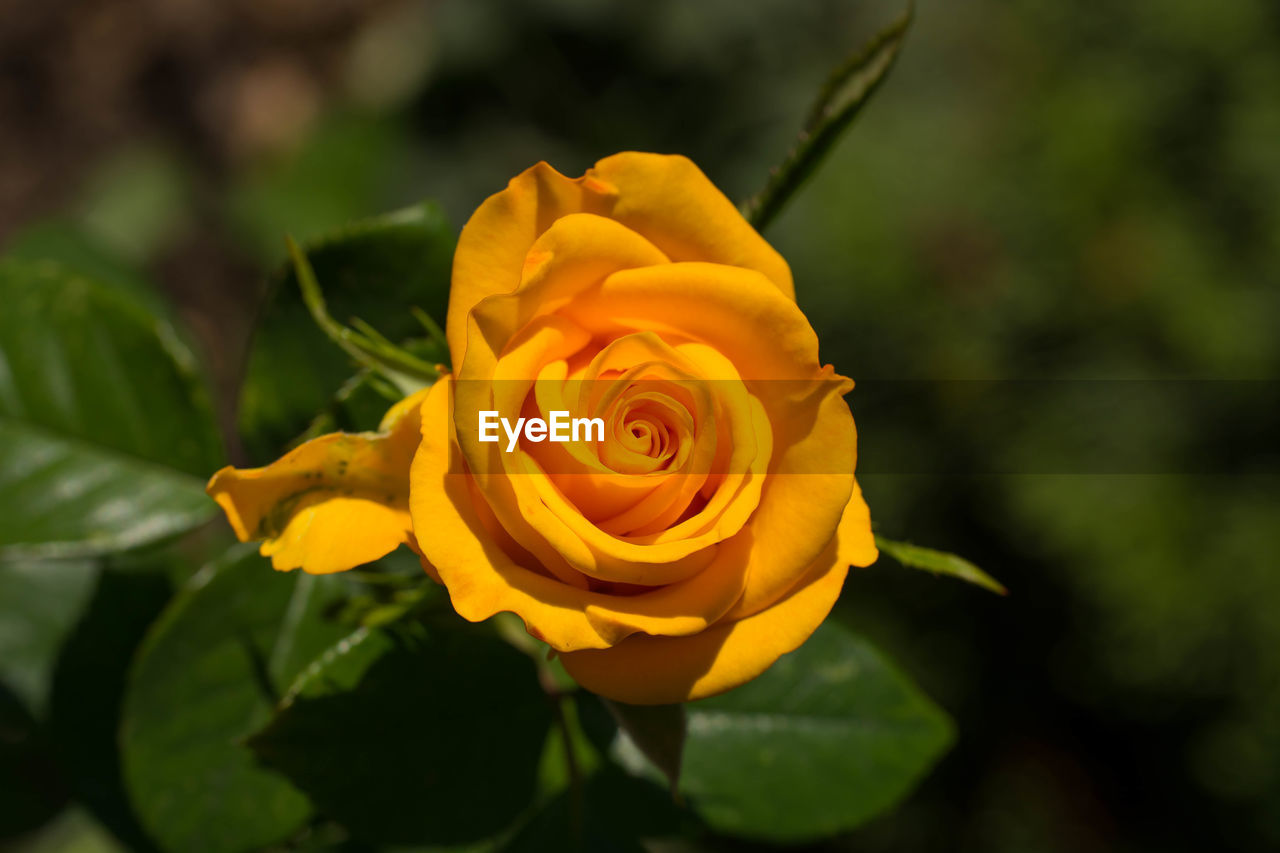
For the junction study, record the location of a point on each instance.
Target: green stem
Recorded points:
(372, 351)
(371, 333)
(841, 98)
(429, 323)
(577, 806)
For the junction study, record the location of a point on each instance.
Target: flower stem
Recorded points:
(841, 98)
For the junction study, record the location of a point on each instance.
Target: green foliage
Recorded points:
(938, 562)
(372, 270)
(209, 673)
(89, 686)
(72, 831)
(453, 755)
(842, 97)
(658, 731)
(827, 738)
(108, 433)
(28, 776)
(367, 346)
(73, 248)
(612, 811)
(44, 599)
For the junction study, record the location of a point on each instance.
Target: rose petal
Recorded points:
(492, 246)
(332, 504)
(661, 670)
(666, 198)
(671, 202)
(484, 578)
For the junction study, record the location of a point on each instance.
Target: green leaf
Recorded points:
(68, 244)
(41, 603)
(209, 674)
(617, 813)
(74, 831)
(842, 97)
(107, 433)
(568, 755)
(88, 689)
(407, 736)
(33, 792)
(827, 738)
(79, 252)
(940, 563)
(374, 270)
(657, 731)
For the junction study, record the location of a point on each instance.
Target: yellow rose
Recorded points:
(710, 529)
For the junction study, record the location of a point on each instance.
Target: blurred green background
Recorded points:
(1041, 191)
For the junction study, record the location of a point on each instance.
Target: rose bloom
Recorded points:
(710, 531)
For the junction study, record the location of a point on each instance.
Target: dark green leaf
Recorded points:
(598, 725)
(374, 270)
(208, 675)
(568, 755)
(41, 601)
(88, 690)
(842, 97)
(108, 436)
(73, 831)
(73, 248)
(657, 731)
(70, 246)
(618, 811)
(940, 563)
(827, 738)
(33, 791)
(408, 736)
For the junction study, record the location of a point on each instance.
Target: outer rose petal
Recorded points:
(492, 246)
(647, 670)
(574, 254)
(665, 198)
(330, 534)
(669, 200)
(332, 504)
(730, 309)
(857, 543)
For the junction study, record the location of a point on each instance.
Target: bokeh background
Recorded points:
(1081, 197)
